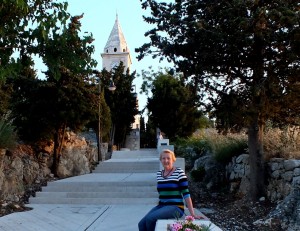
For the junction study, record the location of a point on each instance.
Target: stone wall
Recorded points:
(23, 167)
(283, 187)
(282, 176)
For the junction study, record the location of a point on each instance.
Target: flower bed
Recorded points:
(187, 225)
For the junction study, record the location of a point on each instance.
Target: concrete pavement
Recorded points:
(66, 217)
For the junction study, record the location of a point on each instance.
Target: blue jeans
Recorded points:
(148, 222)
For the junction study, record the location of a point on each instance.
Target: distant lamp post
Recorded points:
(133, 91)
(111, 87)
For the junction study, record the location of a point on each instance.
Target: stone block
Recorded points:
(291, 164)
(288, 176)
(297, 172)
(244, 158)
(170, 147)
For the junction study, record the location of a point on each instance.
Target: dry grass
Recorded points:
(7, 135)
(223, 147)
(282, 143)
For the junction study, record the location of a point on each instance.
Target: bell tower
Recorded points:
(116, 49)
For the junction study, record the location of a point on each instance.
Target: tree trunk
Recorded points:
(55, 154)
(112, 135)
(58, 140)
(257, 176)
(98, 144)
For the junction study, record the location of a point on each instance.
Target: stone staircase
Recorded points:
(129, 177)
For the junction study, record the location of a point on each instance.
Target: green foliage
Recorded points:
(43, 109)
(23, 29)
(24, 26)
(191, 146)
(149, 136)
(222, 147)
(205, 122)
(5, 94)
(172, 106)
(191, 149)
(243, 57)
(7, 135)
(65, 98)
(105, 118)
(122, 102)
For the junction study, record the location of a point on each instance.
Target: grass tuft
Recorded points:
(7, 135)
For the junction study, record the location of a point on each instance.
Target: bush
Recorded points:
(222, 147)
(191, 149)
(225, 147)
(7, 135)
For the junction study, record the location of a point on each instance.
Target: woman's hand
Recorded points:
(199, 216)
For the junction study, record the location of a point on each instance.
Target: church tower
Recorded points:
(116, 49)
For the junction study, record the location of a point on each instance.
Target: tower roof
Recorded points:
(116, 41)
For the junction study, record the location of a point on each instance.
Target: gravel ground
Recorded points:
(232, 213)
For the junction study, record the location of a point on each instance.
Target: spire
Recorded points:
(116, 42)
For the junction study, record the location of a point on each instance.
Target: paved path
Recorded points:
(46, 217)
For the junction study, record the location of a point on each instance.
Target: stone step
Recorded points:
(128, 166)
(124, 179)
(148, 153)
(108, 182)
(93, 201)
(105, 188)
(111, 194)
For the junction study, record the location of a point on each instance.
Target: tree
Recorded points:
(143, 139)
(172, 106)
(122, 103)
(150, 135)
(45, 108)
(237, 52)
(101, 121)
(24, 25)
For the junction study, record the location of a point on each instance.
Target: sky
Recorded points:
(99, 18)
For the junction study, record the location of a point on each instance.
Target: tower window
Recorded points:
(115, 49)
(106, 50)
(123, 50)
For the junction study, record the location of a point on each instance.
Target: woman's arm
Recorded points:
(190, 207)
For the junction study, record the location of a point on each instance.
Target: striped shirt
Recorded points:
(173, 189)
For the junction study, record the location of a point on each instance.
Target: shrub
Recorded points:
(7, 135)
(223, 147)
(191, 149)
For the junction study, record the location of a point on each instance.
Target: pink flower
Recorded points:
(176, 226)
(187, 225)
(189, 218)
